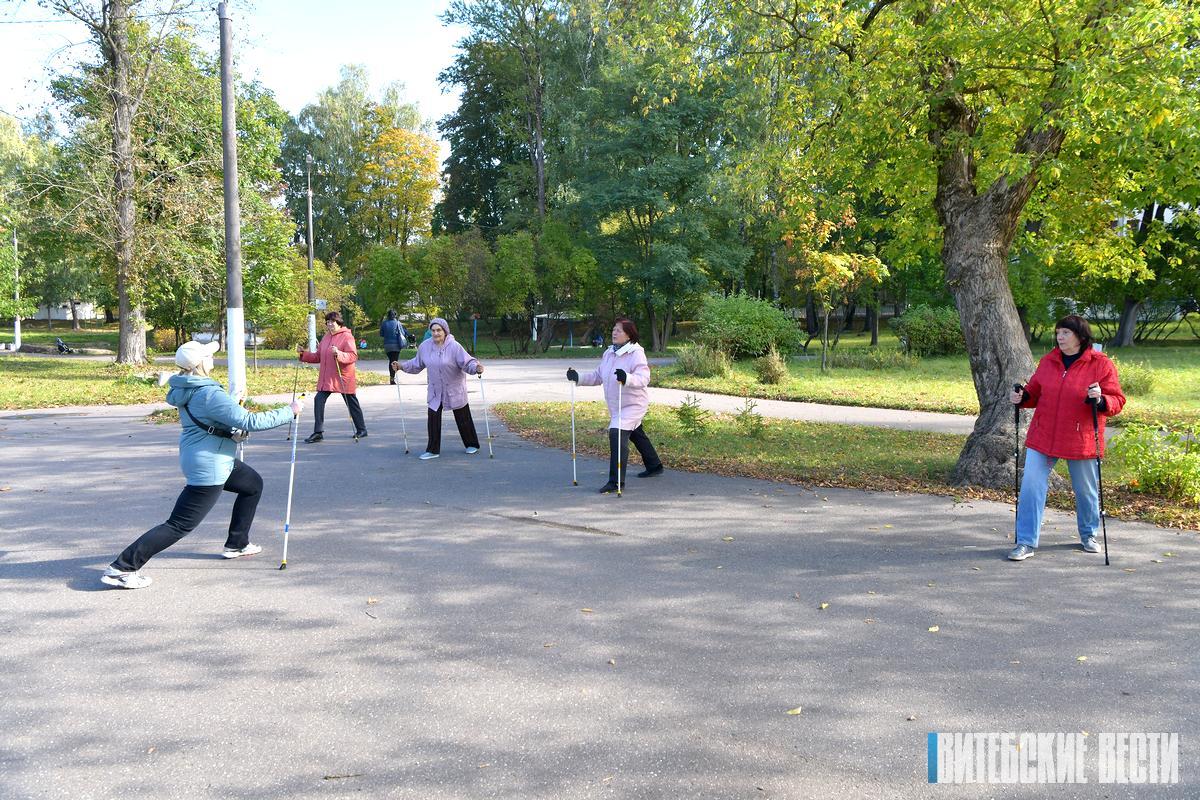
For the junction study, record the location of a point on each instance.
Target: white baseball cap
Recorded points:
(191, 354)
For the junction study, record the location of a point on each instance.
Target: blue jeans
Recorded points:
(1084, 479)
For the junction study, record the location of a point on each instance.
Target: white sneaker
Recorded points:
(472, 451)
(124, 580)
(427, 456)
(248, 550)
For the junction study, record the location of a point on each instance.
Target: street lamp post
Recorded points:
(312, 292)
(16, 294)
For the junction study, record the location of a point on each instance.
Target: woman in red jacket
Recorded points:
(336, 354)
(1068, 380)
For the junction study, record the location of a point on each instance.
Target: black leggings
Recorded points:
(466, 429)
(356, 414)
(191, 508)
(644, 447)
(392, 356)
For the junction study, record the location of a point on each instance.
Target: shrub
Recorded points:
(873, 358)
(928, 331)
(749, 421)
(703, 361)
(1135, 378)
(771, 368)
(1163, 462)
(692, 418)
(162, 340)
(744, 326)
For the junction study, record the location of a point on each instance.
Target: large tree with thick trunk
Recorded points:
(964, 118)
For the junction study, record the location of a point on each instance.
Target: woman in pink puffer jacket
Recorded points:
(624, 363)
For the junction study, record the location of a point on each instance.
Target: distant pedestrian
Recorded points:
(624, 364)
(1067, 381)
(447, 363)
(394, 340)
(209, 420)
(337, 355)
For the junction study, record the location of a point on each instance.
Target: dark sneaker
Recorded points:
(608, 488)
(650, 473)
(1090, 545)
(316, 437)
(360, 434)
(1021, 552)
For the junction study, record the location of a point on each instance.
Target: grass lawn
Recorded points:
(30, 382)
(94, 334)
(849, 456)
(944, 384)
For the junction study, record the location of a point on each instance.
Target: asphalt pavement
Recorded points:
(475, 628)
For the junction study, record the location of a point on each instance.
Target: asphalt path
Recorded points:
(475, 628)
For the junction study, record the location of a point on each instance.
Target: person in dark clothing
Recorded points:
(394, 340)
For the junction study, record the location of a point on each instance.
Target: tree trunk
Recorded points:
(873, 324)
(848, 322)
(1127, 327)
(975, 257)
(811, 324)
(825, 340)
(1023, 316)
(132, 342)
(49, 318)
(75, 326)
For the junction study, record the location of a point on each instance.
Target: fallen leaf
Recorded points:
(726, 538)
(151, 750)
(911, 718)
(5, 488)
(1156, 561)
(796, 595)
(1014, 662)
(931, 583)
(547, 644)
(585, 611)
(1129, 569)
(823, 606)
(934, 628)
(869, 621)
(1169, 555)
(372, 601)
(484, 766)
(1085, 733)
(889, 526)
(612, 662)
(369, 614)
(795, 712)
(1081, 658)
(976, 569)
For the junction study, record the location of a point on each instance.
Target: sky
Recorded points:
(294, 47)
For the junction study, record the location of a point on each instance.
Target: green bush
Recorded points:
(1135, 378)
(702, 361)
(744, 326)
(771, 368)
(692, 418)
(1163, 462)
(875, 358)
(928, 331)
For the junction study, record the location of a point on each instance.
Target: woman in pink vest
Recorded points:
(624, 363)
(336, 354)
(1069, 380)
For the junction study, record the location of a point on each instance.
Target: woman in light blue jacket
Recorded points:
(207, 450)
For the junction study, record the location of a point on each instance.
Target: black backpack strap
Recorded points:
(211, 429)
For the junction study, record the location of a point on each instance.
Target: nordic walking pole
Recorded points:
(403, 427)
(1095, 404)
(1016, 459)
(287, 520)
(486, 424)
(620, 386)
(574, 474)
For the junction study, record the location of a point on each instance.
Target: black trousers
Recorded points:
(466, 429)
(351, 403)
(644, 447)
(392, 355)
(191, 508)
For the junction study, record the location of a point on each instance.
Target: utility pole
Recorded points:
(312, 292)
(17, 294)
(235, 316)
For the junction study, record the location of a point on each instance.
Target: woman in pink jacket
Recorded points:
(1069, 380)
(336, 354)
(447, 364)
(624, 363)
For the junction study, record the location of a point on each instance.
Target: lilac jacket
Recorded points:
(447, 366)
(635, 399)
